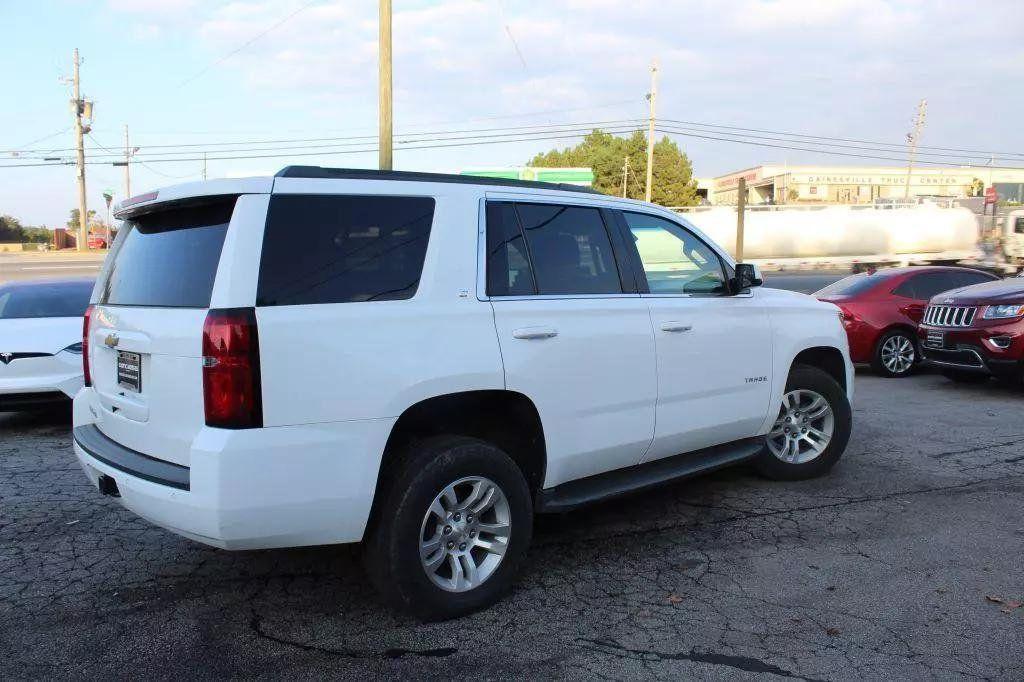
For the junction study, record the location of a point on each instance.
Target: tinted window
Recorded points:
(168, 258)
(569, 249)
(929, 284)
(675, 261)
(343, 249)
(60, 299)
(852, 285)
(508, 265)
(1018, 225)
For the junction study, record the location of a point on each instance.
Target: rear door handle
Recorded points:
(675, 327)
(534, 333)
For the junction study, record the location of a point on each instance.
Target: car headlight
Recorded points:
(75, 348)
(1002, 312)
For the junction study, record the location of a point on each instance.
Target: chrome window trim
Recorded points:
(611, 203)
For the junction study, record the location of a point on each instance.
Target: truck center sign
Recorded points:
(889, 179)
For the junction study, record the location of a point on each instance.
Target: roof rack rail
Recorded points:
(413, 176)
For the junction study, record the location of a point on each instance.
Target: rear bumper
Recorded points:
(249, 489)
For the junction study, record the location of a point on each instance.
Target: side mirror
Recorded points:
(747, 275)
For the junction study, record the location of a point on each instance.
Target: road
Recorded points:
(804, 281)
(14, 267)
(886, 569)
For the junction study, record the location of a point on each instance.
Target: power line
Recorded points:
(246, 43)
(840, 145)
(368, 149)
(510, 129)
(686, 133)
(582, 130)
(18, 150)
(986, 152)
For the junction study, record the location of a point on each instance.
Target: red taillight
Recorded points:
(231, 369)
(85, 346)
(848, 317)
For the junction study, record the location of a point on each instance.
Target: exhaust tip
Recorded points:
(108, 486)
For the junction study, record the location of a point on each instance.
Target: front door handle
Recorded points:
(675, 327)
(534, 333)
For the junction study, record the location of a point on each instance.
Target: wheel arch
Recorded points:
(507, 419)
(829, 359)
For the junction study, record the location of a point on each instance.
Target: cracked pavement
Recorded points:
(880, 570)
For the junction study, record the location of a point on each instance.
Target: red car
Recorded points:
(977, 332)
(881, 311)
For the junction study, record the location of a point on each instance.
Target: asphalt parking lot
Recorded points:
(891, 567)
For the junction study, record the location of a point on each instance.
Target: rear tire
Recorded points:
(813, 455)
(965, 377)
(416, 526)
(895, 354)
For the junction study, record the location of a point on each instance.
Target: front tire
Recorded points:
(812, 429)
(895, 354)
(451, 530)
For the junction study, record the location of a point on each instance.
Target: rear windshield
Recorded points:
(852, 285)
(168, 258)
(45, 299)
(343, 248)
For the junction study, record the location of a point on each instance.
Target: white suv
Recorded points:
(422, 362)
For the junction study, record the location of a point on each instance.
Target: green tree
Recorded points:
(73, 220)
(605, 154)
(11, 230)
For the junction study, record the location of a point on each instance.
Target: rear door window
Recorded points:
(343, 248)
(569, 249)
(168, 257)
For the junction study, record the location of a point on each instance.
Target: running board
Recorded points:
(632, 479)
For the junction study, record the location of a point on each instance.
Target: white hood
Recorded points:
(39, 334)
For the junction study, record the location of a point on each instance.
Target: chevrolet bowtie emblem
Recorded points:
(112, 340)
(6, 357)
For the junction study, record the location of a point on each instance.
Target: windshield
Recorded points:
(852, 285)
(56, 299)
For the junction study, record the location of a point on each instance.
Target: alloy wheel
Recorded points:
(898, 354)
(465, 533)
(803, 428)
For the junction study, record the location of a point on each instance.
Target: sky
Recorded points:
(194, 72)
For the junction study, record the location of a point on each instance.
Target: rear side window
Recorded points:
(58, 299)
(569, 249)
(168, 258)
(343, 249)
(926, 285)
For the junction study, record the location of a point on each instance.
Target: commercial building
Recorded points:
(786, 184)
(569, 176)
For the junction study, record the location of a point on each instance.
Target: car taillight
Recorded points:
(231, 369)
(85, 346)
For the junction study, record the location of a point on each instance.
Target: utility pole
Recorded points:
(204, 165)
(652, 98)
(127, 166)
(741, 209)
(625, 175)
(78, 106)
(912, 138)
(384, 143)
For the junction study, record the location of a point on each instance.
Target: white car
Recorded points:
(41, 341)
(421, 362)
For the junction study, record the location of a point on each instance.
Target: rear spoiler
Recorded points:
(150, 201)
